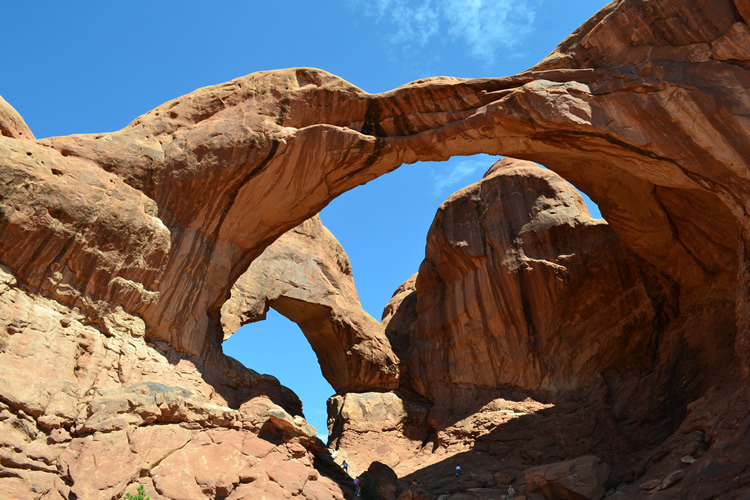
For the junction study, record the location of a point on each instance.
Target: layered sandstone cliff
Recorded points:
(120, 249)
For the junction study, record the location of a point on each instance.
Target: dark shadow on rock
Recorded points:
(327, 466)
(271, 433)
(379, 482)
(577, 424)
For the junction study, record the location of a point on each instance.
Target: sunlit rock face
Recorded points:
(526, 312)
(306, 276)
(120, 249)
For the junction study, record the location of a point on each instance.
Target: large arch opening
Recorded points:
(394, 213)
(382, 226)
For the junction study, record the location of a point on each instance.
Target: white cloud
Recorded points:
(484, 26)
(413, 22)
(487, 26)
(459, 173)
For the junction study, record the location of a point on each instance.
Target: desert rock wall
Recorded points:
(120, 249)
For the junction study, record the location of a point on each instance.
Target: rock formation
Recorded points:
(579, 478)
(523, 241)
(85, 411)
(528, 312)
(306, 276)
(120, 249)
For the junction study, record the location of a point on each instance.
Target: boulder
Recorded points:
(379, 481)
(471, 481)
(582, 478)
(381, 425)
(416, 492)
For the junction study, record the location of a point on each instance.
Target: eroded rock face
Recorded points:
(516, 260)
(11, 123)
(385, 425)
(526, 312)
(606, 92)
(521, 289)
(120, 250)
(86, 410)
(307, 277)
(582, 478)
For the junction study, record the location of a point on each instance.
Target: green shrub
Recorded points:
(140, 496)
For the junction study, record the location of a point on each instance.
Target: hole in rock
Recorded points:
(383, 224)
(383, 228)
(278, 347)
(593, 207)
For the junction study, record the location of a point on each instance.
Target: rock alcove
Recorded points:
(112, 287)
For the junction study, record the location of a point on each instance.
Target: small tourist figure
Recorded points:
(345, 466)
(511, 492)
(458, 470)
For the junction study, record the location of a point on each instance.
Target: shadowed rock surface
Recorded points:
(120, 249)
(531, 334)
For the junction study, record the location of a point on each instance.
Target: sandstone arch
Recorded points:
(565, 113)
(306, 276)
(155, 222)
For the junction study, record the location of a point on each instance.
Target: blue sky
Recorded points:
(85, 67)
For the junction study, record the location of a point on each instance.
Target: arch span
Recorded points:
(155, 222)
(306, 276)
(659, 146)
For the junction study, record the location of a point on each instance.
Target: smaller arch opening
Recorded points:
(277, 346)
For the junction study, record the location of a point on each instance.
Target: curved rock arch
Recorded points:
(162, 217)
(306, 276)
(595, 111)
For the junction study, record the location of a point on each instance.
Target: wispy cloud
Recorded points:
(458, 173)
(413, 23)
(484, 26)
(487, 26)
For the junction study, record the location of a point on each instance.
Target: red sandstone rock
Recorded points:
(376, 425)
(521, 219)
(522, 240)
(91, 401)
(416, 493)
(306, 276)
(379, 481)
(11, 123)
(111, 278)
(582, 478)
